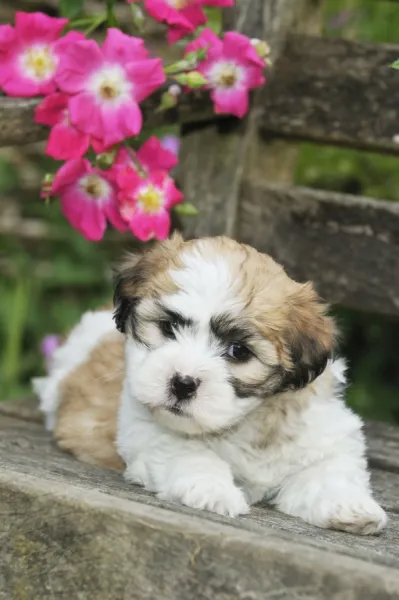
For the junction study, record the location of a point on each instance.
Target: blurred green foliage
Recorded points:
(45, 284)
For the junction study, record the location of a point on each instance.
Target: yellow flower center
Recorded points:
(94, 186)
(150, 199)
(179, 4)
(39, 62)
(228, 76)
(108, 91)
(110, 86)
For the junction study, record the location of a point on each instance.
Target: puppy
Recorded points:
(220, 388)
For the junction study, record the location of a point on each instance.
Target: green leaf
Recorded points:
(215, 19)
(98, 20)
(70, 8)
(395, 65)
(186, 210)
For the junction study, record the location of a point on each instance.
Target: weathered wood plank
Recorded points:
(17, 126)
(24, 409)
(213, 164)
(84, 544)
(347, 245)
(210, 170)
(72, 529)
(383, 442)
(383, 439)
(335, 91)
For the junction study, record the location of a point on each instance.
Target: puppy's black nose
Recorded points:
(183, 387)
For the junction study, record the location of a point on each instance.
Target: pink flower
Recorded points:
(30, 53)
(65, 140)
(107, 85)
(152, 156)
(232, 68)
(48, 346)
(88, 198)
(144, 203)
(182, 16)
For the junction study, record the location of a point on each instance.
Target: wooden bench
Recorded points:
(75, 531)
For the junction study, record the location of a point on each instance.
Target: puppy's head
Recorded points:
(213, 328)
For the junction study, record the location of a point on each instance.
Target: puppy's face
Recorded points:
(214, 328)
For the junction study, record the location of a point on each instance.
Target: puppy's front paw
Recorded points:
(364, 517)
(208, 494)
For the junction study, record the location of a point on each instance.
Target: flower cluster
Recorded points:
(92, 96)
(136, 193)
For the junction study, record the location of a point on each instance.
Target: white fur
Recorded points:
(80, 342)
(318, 474)
(309, 461)
(315, 468)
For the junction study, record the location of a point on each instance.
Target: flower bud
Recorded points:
(106, 159)
(262, 48)
(182, 78)
(195, 79)
(168, 100)
(186, 210)
(47, 184)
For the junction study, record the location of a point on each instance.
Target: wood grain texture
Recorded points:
(17, 126)
(24, 409)
(335, 91)
(214, 158)
(347, 245)
(73, 530)
(210, 171)
(383, 441)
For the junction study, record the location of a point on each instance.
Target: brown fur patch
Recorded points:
(287, 313)
(90, 397)
(148, 273)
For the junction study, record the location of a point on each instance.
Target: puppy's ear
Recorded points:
(135, 273)
(309, 341)
(128, 276)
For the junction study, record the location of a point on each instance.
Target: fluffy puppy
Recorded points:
(227, 389)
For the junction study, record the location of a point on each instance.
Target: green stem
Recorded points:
(137, 165)
(96, 23)
(80, 22)
(111, 18)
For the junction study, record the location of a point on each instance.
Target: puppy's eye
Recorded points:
(168, 328)
(238, 352)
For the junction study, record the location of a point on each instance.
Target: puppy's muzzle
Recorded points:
(183, 387)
